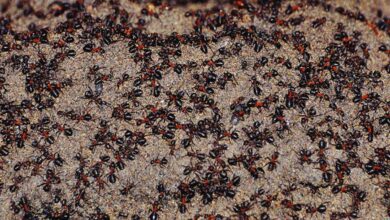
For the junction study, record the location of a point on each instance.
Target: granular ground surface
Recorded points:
(115, 109)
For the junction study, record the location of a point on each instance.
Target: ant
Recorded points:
(290, 205)
(318, 22)
(242, 209)
(257, 91)
(312, 209)
(127, 188)
(155, 208)
(304, 156)
(94, 97)
(267, 202)
(162, 162)
(272, 164)
(259, 192)
(189, 169)
(125, 78)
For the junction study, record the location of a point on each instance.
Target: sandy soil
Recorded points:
(142, 175)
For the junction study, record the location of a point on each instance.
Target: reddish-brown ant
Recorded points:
(272, 164)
